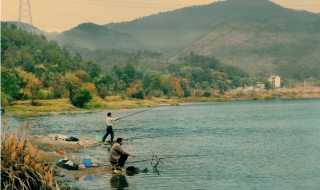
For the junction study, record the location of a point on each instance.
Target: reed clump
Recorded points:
(22, 166)
(174, 103)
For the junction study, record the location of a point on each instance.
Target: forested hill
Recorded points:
(181, 27)
(34, 68)
(258, 36)
(91, 36)
(261, 49)
(34, 53)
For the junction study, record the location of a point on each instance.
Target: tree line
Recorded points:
(34, 68)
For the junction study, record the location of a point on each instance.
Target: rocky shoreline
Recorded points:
(54, 146)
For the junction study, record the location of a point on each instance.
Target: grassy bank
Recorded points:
(63, 106)
(245, 95)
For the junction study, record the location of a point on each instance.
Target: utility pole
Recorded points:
(25, 15)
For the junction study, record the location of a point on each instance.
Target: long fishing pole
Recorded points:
(138, 112)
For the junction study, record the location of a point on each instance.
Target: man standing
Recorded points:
(109, 121)
(118, 156)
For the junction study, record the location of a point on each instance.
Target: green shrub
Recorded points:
(138, 95)
(5, 99)
(81, 97)
(46, 94)
(269, 98)
(206, 94)
(36, 103)
(157, 93)
(174, 103)
(240, 93)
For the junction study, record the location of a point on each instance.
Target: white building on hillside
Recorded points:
(275, 81)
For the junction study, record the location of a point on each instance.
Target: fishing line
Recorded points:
(139, 112)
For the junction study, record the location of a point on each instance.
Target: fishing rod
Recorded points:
(138, 112)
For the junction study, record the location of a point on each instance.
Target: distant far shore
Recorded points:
(63, 106)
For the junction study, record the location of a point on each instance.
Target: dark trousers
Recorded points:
(123, 158)
(109, 131)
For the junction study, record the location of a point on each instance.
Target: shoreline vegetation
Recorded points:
(23, 109)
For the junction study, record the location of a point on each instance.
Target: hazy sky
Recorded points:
(60, 15)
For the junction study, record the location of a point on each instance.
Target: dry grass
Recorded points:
(241, 95)
(63, 106)
(22, 166)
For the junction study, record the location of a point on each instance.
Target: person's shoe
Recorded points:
(119, 167)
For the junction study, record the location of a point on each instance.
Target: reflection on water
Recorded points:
(87, 178)
(119, 181)
(156, 172)
(84, 178)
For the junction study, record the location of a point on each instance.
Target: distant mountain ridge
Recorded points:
(26, 27)
(256, 47)
(93, 36)
(257, 35)
(184, 26)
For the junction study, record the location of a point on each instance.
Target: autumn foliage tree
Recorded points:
(177, 87)
(91, 87)
(72, 83)
(136, 91)
(33, 86)
(103, 92)
(84, 76)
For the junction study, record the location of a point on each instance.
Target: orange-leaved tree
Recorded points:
(177, 87)
(91, 87)
(33, 85)
(72, 83)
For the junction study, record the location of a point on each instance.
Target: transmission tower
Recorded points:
(25, 15)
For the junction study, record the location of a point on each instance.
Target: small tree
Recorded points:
(103, 92)
(139, 95)
(81, 97)
(72, 83)
(185, 88)
(9, 83)
(268, 85)
(33, 86)
(206, 94)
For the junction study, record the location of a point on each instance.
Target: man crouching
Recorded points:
(118, 156)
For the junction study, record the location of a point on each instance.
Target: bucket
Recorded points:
(98, 138)
(86, 162)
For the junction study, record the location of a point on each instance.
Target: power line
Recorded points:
(172, 6)
(122, 4)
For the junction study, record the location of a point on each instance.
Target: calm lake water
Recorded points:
(226, 145)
